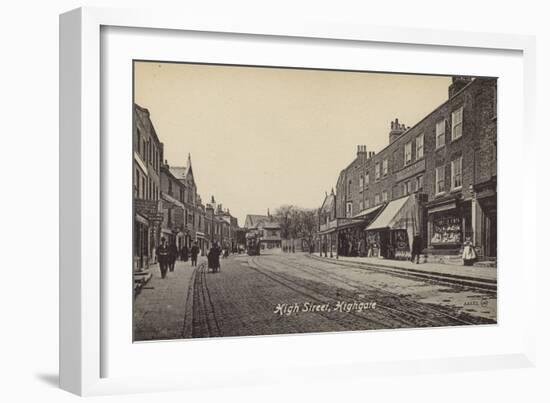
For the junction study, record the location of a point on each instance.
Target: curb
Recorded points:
(475, 282)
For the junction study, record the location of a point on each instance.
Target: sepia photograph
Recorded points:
(279, 200)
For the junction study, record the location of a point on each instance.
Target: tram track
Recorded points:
(203, 320)
(423, 307)
(370, 316)
(396, 307)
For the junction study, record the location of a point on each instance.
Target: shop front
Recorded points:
(147, 219)
(449, 225)
(391, 233)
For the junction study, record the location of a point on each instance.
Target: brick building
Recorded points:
(436, 178)
(147, 157)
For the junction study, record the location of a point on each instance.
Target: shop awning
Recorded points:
(398, 214)
(368, 211)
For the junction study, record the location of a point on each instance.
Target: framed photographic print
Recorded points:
(257, 193)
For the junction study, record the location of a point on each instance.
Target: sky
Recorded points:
(260, 138)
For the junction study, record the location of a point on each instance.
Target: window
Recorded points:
(377, 171)
(456, 173)
(367, 203)
(367, 180)
(349, 188)
(376, 199)
(138, 141)
(406, 188)
(136, 187)
(143, 187)
(384, 196)
(361, 183)
(385, 166)
(456, 119)
(361, 205)
(440, 179)
(349, 209)
(169, 187)
(440, 134)
(408, 153)
(420, 147)
(419, 183)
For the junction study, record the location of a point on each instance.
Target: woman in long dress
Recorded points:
(469, 253)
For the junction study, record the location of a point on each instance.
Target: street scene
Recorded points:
(285, 293)
(280, 201)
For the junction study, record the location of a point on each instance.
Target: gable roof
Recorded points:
(328, 203)
(253, 220)
(179, 172)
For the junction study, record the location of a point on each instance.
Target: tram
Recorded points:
(252, 243)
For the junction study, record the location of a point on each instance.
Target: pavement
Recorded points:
(468, 274)
(160, 307)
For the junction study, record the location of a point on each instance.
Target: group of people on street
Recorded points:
(168, 253)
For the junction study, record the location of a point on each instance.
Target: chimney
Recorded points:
(361, 150)
(457, 84)
(396, 129)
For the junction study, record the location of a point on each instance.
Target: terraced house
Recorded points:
(436, 178)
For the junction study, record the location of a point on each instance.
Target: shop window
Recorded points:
(419, 146)
(440, 179)
(408, 153)
(440, 134)
(456, 119)
(447, 229)
(456, 173)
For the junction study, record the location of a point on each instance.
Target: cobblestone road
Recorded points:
(291, 293)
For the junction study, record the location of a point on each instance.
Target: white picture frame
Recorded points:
(83, 293)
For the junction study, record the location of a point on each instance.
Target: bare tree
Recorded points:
(297, 223)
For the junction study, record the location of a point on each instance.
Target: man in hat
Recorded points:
(163, 253)
(416, 248)
(194, 253)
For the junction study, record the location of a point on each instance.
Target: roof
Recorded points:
(328, 203)
(252, 220)
(393, 212)
(179, 172)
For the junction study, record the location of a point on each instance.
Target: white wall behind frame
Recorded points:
(122, 45)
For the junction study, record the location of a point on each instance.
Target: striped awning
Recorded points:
(398, 214)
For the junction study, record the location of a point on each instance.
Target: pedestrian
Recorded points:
(172, 255)
(469, 254)
(194, 253)
(214, 257)
(162, 257)
(416, 248)
(185, 253)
